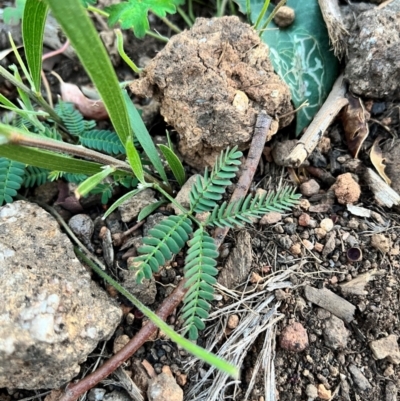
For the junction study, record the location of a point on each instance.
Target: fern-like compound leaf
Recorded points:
(200, 275)
(103, 140)
(71, 117)
(241, 212)
(167, 238)
(205, 193)
(35, 176)
(11, 178)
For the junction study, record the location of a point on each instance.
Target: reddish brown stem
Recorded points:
(261, 129)
(73, 391)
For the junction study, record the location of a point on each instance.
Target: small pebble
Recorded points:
(318, 247)
(270, 218)
(346, 189)
(120, 343)
(323, 393)
(353, 224)
(326, 224)
(233, 321)
(304, 219)
(311, 392)
(380, 242)
(294, 338)
(295, 249)
(82, 226)
(389, 371)
(320, 233)
(309, 188)
(308, 245)
(304, 204)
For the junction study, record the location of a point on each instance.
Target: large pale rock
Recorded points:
(52, 315)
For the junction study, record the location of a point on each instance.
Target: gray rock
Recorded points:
(238, 264)
(132, 206)
(145, 292)
(311, 392)
(152, 221)
(373, 66)
(359, 379)
(335, 333)
(52, 315)
(82, 226)
(183, 195)
(386, 348)
(390, 392)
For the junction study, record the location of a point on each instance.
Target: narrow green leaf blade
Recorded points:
(83, 36)
(143, 136)
(147, 210)
(33, 22)
(174, 163)
(121, 200)
(48, 160)
(90, 183)
(134, 160)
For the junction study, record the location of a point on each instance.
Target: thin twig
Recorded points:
(261, 129)
(73, 391)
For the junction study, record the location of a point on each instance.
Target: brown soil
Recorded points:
(211, 82)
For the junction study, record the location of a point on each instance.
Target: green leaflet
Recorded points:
(35, 176)
(174, 163)
(301, 55)
(11, 178)
(204, 194)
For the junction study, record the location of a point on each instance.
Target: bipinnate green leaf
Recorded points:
(79, 29)
(167, 238)
(174, 163)
(11, 178)
(133, 13)
(301, 55)
(33, 22)
(90, 183)
(200, 272)
(143, 136)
